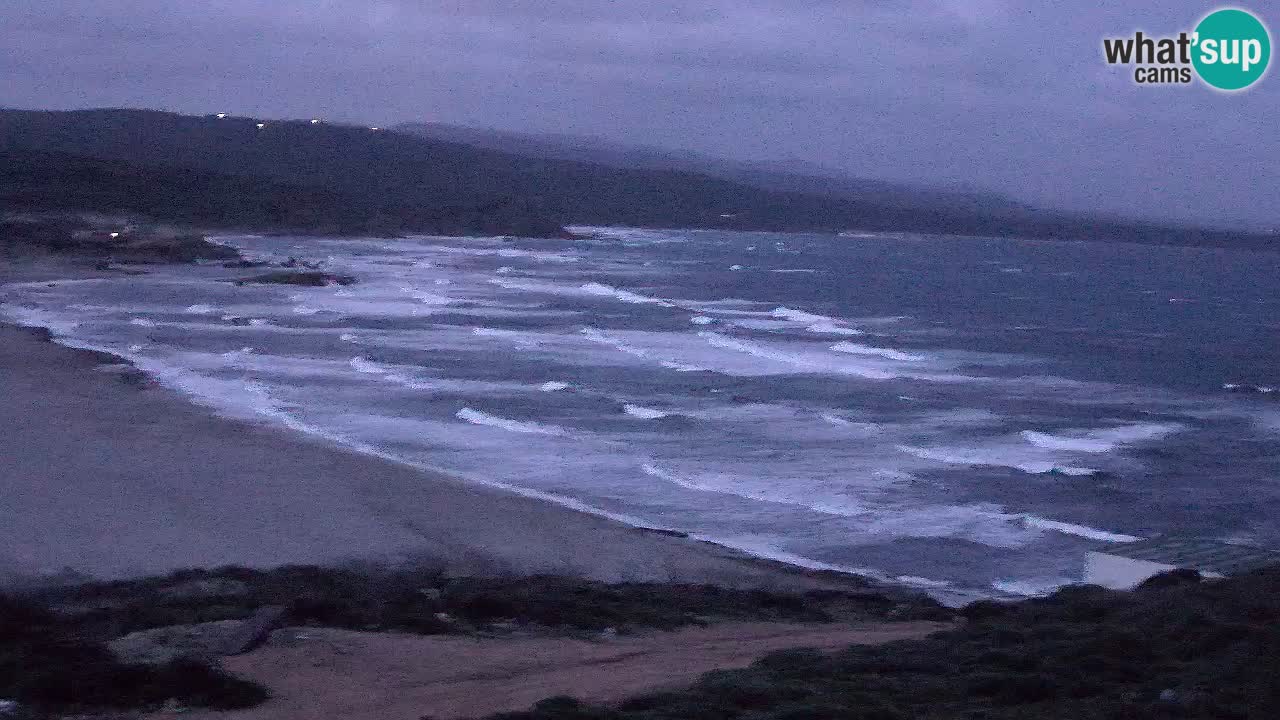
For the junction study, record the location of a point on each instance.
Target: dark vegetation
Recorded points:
(44, 181)
(71, 235)
(335, 179)
(52, 640)
(1175, 648)
(47, 664)
(415, 601)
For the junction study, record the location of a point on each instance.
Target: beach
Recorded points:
(109, 475)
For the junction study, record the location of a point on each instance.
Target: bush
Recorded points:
(47, 665)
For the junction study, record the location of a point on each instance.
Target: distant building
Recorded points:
(1124, 566)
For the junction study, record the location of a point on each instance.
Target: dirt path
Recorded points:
(315, 673)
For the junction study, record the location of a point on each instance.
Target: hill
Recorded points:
(320, 176)
(792, 176)
(44, 181)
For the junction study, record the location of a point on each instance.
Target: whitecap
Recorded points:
(643, 413)
(476, 417)
(887, 353)
(826, 328)
(1031, 587)
(1083, 531)
(1101, 441)
(996, 457)
(623, 295)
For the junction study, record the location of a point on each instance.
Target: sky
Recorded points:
(1006, 95)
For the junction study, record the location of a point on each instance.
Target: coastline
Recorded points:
(113, 476)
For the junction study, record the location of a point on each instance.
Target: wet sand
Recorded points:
(109, 476)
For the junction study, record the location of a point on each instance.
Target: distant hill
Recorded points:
(789, 176)
(45, 181)
(336, 178)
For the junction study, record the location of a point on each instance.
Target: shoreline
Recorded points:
(117, 479)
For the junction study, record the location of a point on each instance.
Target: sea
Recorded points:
(967, 416)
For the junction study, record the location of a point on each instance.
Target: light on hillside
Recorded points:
(261, 125)
(222, 116)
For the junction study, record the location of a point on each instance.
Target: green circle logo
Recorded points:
(1232, 49)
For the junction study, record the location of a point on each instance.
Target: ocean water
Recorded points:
(967, 416)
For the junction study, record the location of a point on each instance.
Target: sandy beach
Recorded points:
(111, 476)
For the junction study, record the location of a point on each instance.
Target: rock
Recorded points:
(253, 631)
(157, 646)
(206, 588)
(202, 641)
(1168, 695)
(609, 634)
(309, 278)
(1171, 578)
(662, 531)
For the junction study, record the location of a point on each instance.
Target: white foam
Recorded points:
(200, 309)
(922, 582)
(643, 413)
(1083, 531)
(861, 429)
(997, 456)
(1031, 587)
(817, 324)
(826, 328)
(553, 386)
(623, 295)
(887, 353)
(800, 316)
(503, 252)
(366, 366)
(798, 361)
(1101, 441)
(701, 320)
(142, 322)
(476, 417)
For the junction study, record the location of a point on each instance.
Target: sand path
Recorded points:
(317, 673)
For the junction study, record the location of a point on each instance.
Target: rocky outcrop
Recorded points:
(202, 641)
(310, 278)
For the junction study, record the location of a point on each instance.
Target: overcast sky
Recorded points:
(1010, 95)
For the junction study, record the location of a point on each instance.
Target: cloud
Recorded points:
(991, 93)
